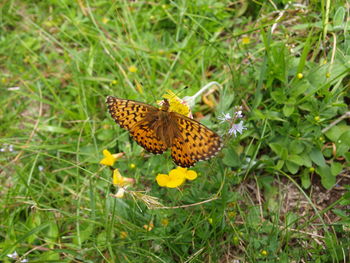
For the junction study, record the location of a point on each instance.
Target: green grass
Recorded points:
(277, 193)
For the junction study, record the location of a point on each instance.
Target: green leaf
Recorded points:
(327, 178)
(296, 159)
(279, 164)
(54, 129)
(343, 144)
(292, 167)
(296, 147)
(280, 150)
(338, 18)
(288, 110)
(306, 159)
(317, 157)
(305, 179)
(231, 158)
(278, 96)
(336, 131)
(336, 168)
(299, 88)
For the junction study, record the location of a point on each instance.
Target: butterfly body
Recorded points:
(157, 130)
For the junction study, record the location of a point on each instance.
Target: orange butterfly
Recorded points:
(156, 130)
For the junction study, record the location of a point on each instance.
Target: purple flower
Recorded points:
(237, 128)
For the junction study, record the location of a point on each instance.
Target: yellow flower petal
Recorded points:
(191, 175)
(123, 235)
(119, 180)
(162, 179)
(132, 69)
(176, 178)
(177, 104)
(245, 40)
(109, 158)
(181, 169)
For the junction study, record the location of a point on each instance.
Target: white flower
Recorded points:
(120, 193)
(237, 128)
(239, 114)
(14, 255)
(225, 117)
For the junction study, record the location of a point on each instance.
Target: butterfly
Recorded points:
(157, 130)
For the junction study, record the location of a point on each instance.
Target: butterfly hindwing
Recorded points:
(146, 138)
(196, 143)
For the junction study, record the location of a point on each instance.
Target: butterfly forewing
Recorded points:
(128, 113)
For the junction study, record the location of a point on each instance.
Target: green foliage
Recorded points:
(276, 193)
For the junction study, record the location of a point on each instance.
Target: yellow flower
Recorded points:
(148, 227)
(188, 174)
(300, 75)
(105, 20)
(164, 221)
(173, 180)
(264, 252)
(132, 69)
(162, 179)
(232, 214)
(114, 82)
(177, 104)
(176, 177)
(119, 180)
(123, 235)
(245, 40)
(132, 166)
(109, 158)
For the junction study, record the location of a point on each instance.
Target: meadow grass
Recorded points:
(278, 192)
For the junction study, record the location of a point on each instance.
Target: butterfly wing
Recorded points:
(196, 142)
(145, 137)
(130, 115)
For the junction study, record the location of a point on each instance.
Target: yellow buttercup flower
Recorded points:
(188, 174)
(176, 177)
(162, 179)
(109, 159)
(177, 104)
